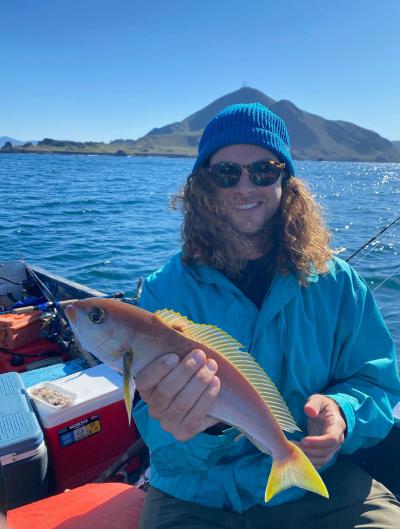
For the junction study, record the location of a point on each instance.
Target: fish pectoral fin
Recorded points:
(118, 354)
(295, 470)
(129, 382)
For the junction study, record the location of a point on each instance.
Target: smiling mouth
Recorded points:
(247, 205)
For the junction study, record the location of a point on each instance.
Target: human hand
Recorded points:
(326, 429)
(180, 393)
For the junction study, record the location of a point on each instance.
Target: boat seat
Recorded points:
(97, 505)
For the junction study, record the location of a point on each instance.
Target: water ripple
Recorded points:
(105, 221)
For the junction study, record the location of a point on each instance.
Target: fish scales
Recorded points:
(129, 338)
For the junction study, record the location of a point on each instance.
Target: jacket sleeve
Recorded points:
(197, 453)
(365, 379)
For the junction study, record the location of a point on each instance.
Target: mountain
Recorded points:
(312, 136)
(182, 137)
(5, 139)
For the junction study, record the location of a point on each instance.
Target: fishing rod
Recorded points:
(373, 238)
(386, 279)
(382, 240)
(48, 302)
(49, 305)
(42, 307)
(46, 292)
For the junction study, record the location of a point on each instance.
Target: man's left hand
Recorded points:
(326, 429)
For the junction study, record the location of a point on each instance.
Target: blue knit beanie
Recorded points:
(251, 123)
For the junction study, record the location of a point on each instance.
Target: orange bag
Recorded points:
(97, 506)
(17, 330)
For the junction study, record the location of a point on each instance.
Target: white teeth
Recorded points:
(247, 206)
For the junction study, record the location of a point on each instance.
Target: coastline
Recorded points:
(122, 153)
(98, 153)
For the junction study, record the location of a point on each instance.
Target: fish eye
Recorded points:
(97, 315)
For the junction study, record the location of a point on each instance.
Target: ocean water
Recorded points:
(105, 221)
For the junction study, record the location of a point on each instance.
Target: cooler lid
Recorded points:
(20, 431)
(94, 388)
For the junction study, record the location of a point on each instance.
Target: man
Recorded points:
(256, 263)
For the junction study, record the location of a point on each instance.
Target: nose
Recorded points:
(244, 182)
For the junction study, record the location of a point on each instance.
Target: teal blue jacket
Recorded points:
(326, 338)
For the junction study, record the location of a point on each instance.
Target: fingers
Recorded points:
(327, 441)
(328, 436)
(167, 391)
(189, 393)
(318, 458)
(314, 405)
(324, 417)
(148, 378)
(326, 428)
(180, 394)
(319, 447)
(197, 420)
(182, 390)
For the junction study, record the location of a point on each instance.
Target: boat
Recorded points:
(46, 292)
(25, 291)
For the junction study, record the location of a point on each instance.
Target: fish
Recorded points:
(127, 338)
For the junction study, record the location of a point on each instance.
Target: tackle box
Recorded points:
(23, 453)
(87, 436)
(17, 330)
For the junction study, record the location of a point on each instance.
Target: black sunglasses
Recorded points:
(262, 173)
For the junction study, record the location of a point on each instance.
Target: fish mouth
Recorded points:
(70, 312)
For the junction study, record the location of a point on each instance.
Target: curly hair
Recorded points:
(300, 238)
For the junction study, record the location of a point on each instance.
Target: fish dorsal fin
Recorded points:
(230, 348)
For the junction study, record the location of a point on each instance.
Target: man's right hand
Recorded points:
(180, 393)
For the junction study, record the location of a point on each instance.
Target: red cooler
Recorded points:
(86, 436)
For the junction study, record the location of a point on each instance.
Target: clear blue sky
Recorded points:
(100, 70)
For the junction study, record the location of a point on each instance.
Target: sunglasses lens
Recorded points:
(264, 174)
(225, 174)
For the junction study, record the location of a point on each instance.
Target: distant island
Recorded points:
(313, 137)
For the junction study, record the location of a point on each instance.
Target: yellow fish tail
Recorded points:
(295, 470)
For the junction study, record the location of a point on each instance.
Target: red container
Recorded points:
(98, 505)
(22, 358)
(17, 330)
(86, 437)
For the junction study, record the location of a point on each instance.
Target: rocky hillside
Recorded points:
(313, 137)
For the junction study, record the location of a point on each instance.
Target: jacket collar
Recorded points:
(283, 289)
